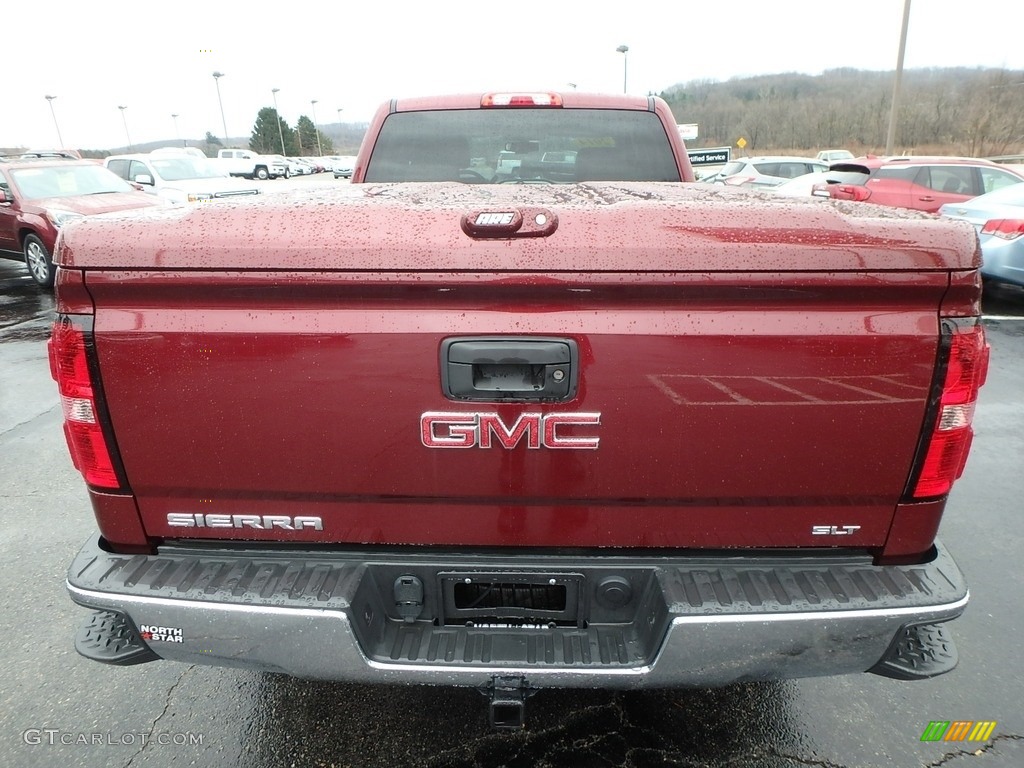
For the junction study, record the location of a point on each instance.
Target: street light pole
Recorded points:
(890, 137)
(623, 49)
(216, 78)
(125, 121)
(317, 129)
(59, 139)
(177, 134)
(277, 114)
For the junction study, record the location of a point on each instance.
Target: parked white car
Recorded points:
(834, 155)
(768, 171)
(342, 165)
(178, 178)
(291, 168)
(305, 164)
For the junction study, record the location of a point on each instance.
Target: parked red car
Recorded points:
(39, 194)
(920, 183)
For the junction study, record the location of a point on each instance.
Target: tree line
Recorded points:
(960, 111)
(948, 111)
(304, 140)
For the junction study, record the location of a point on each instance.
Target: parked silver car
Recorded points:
(999, 219)
(342, 166)
(767, 172)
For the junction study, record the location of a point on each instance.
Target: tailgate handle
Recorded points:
(509, 369)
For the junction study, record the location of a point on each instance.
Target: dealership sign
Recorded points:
(687, 131)
(710, 156)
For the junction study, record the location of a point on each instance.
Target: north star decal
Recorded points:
(257, 522)
(150, 632)
(440, 429)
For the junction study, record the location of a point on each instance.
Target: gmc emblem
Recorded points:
(439, 429)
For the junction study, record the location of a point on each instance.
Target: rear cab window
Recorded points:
(522, 146)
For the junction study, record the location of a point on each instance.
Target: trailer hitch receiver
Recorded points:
(508, 702)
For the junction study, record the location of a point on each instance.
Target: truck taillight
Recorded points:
(69, 349)
(1008, 229)
(950, 433)
(521, 100)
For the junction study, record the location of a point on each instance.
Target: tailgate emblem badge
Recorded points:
(256, 522)
(834, 530)
(439, 429)
(494, 219)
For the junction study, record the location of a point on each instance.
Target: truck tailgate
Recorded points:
(747, 377)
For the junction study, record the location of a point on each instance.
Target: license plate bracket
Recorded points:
(510, 598)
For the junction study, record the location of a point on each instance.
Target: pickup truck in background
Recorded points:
(178, 177)
(602, 428)
(251, 165)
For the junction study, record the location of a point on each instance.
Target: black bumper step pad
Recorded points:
(109, 637)
(919, 652)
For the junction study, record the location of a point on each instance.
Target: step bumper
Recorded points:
(688, 621)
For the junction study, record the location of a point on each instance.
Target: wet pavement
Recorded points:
(58, 709)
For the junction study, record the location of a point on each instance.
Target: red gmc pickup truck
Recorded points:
(521, 407)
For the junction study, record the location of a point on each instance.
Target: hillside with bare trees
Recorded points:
(971, 112)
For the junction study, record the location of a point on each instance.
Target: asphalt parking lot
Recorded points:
(57, 709)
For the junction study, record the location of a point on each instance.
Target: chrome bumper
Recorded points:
(694, 621)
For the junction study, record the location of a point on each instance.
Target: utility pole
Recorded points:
(624, 50)
(277, 114)
(125, 121)
(59, 139)
(317, 129)
(890, 138)
(216, 78)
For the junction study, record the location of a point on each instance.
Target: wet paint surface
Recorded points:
(254, 719)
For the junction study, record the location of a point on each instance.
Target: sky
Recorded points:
(157, 58)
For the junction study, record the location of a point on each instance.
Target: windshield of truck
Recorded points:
(67, 181)
(495, 146)
(185, 167)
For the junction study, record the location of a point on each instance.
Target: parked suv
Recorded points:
(767, 172)
(920, 183)
(38, 196)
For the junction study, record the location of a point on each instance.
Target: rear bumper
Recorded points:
(678, 621)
